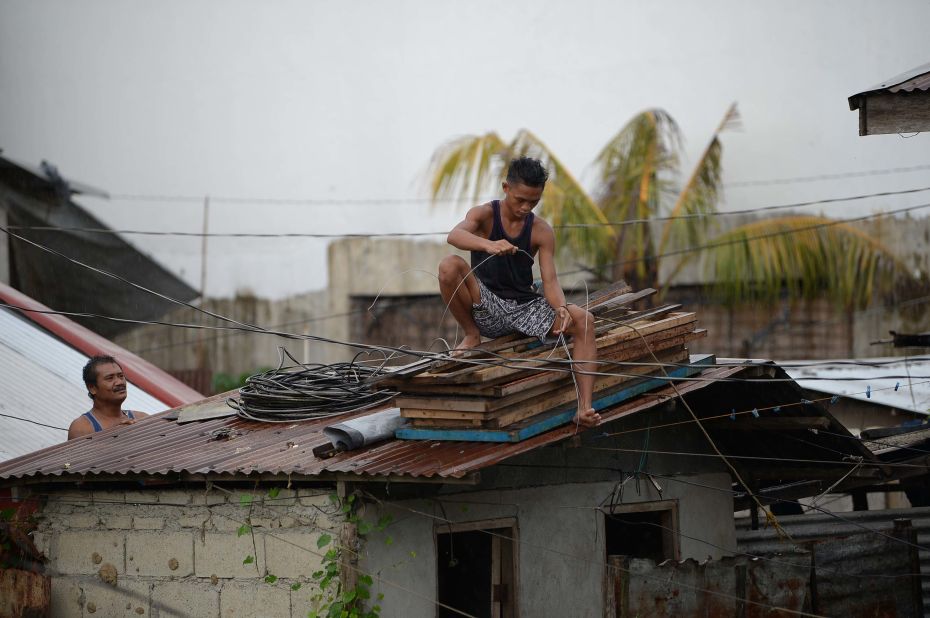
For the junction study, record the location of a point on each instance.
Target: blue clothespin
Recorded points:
(733, 414)
(868, 392)
(755, 413)
(834, 399)
(897, 385)
(807, 402)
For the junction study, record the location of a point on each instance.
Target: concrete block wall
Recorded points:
(177, 552)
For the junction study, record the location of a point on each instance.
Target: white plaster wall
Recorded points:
(560, 539)
(177, 552)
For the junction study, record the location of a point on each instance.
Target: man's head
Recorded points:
(105, 380)
(526, 179)
(527, 171)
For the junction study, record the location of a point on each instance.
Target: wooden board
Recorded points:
(550, 420)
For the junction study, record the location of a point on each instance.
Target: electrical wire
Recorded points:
(304, 392)
(707, 215)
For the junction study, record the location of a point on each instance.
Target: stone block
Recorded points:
(263, 522)
(293, 553)
(148, 496)
(82, 520)
(108, 497)
(255, 599)
(288, 522)
(221, 554)
(186, 599)
(148, 523)
(160, 555)
(174, 497)
(302, 600)
(315, 497)
(83, 552)
(124, 599)
(118, 522)
(193, 519)
(209, 498)
(66, 598)
(285, 497)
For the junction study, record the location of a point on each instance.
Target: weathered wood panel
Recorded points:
(884, 113)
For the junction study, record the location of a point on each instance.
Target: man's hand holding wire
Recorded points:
(501, 247)
(563, 319)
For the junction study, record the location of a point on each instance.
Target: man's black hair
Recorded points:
(90, 370)
(527, 171)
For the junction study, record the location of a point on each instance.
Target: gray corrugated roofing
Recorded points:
(916, 79)
(866, 383)
(40, 379)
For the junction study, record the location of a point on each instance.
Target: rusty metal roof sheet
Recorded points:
(915, 79)
(158, 446)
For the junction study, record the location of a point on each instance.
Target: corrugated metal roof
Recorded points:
(160, 446)
(40, 380)
(854, 380)
(916, 79)
(162, 385)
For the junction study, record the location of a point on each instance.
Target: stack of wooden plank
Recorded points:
(512, 387)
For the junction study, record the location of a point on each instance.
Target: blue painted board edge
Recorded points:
(551, 422)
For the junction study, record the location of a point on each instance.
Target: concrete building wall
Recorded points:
(176, 552)
(561, 551)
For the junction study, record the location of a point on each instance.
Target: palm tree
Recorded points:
(612, 227)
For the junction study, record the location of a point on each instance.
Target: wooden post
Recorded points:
(617, 587)
(348, 543)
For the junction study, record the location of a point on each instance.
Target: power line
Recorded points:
(727, 213)
(819, 177)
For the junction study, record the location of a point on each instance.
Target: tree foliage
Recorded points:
(636, 214)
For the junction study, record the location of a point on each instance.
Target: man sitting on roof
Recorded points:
(494, 296)
(106, 386)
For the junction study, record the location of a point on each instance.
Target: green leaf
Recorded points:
(323, 541)
(245, 499)
(384, 521)
(348, 596)
(296, 587)
(243, 529)
(365, 579)
(334, 499)
(273, 492)
(364, 528)
(270, 579)
(317, 574)
(363, 592)
(249, 560)
(7, 514)
(388, 540)
(413, 554)
(380, 598)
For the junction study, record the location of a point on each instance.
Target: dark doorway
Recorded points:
(476, 571)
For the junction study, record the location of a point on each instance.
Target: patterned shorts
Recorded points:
(496, 316)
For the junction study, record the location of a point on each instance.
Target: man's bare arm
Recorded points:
(552, 290)
(465, 235)
(79, 427)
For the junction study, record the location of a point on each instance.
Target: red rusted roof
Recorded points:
(159, 446)
(142, 373)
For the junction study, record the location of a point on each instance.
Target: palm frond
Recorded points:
(806, 257)
(634, 169)
(464, 168)
(700, 194)
(566, 203)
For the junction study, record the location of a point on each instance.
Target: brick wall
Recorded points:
(176, 552)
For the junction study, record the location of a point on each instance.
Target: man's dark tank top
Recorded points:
(508, 276)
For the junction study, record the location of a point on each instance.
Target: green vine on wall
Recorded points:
(334, 600)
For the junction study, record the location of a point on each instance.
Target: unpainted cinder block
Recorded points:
(148, 523)
(222, 554)
(82, 552)
(118, 522)
(255, 599)
(302, 600)
(147, 496)
(184, 599)
(105, 497)
(65, 599)
(209, 498)
(160, 554)
(124, 599)
(83, 520)
(174, 497)
(293, 553)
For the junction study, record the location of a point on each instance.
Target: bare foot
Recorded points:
(588, 418)
(469, 342)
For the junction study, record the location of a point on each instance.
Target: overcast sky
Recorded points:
(347, 100)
